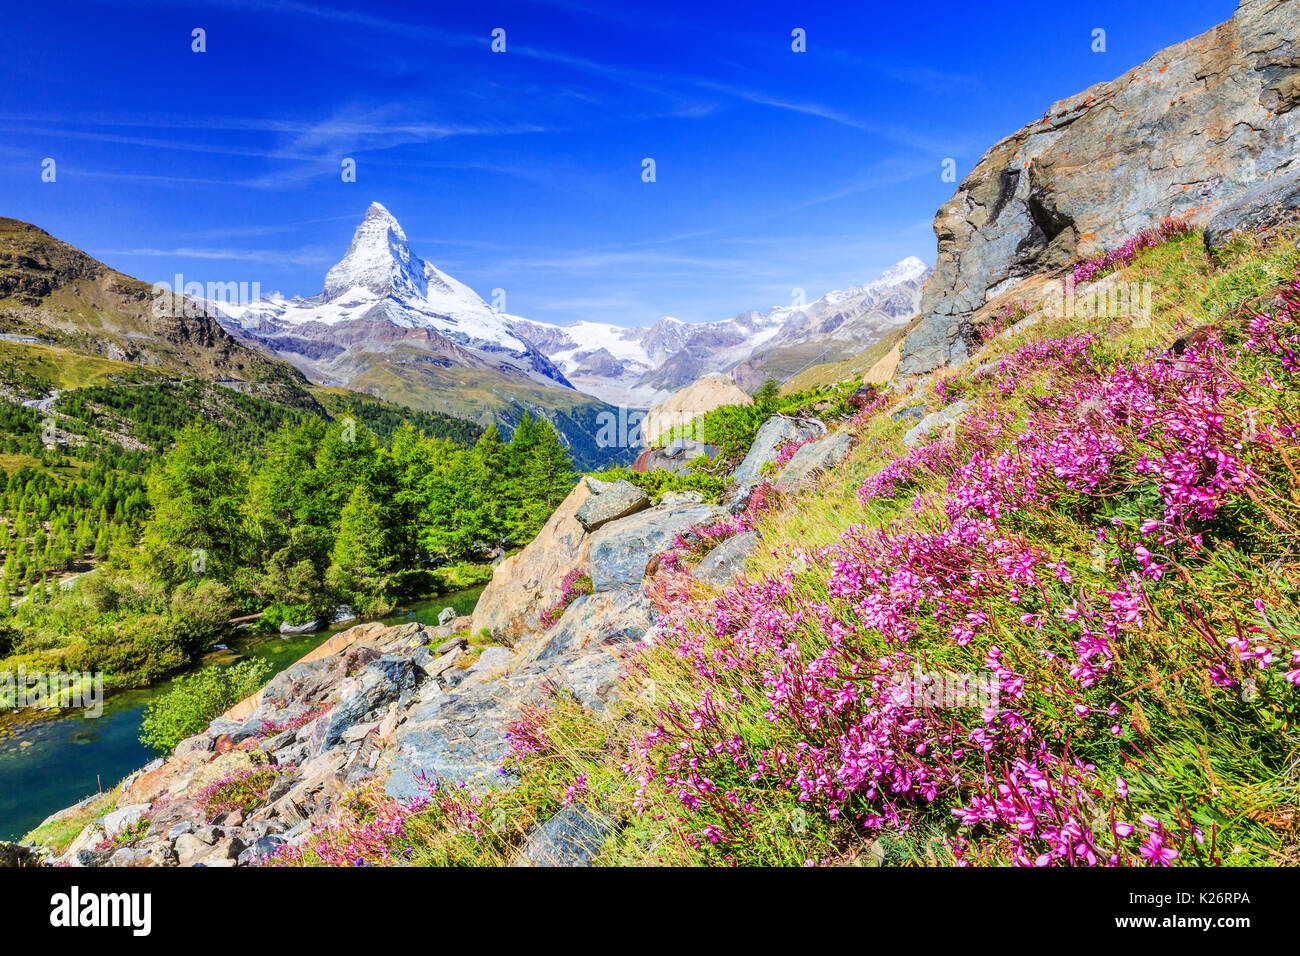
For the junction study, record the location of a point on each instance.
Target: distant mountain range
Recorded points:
(386, 317)
(392, 325)
(641, 366)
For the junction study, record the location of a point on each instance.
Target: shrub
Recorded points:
(132, 652)
(195, 699)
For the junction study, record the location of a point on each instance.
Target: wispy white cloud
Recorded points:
(310, 256)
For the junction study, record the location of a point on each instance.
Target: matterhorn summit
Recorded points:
(378, 260)
(381, 299)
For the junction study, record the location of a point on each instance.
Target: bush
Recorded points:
(658, 483)
(133, 652)
(201, 611)
(194, 699)
(242, 790)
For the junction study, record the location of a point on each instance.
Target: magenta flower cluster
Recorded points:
(1169, 429)
(575, 584)
(1127, 251)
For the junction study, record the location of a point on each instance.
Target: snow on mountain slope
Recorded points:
(383, 303)
(641, 366)
(379, 289)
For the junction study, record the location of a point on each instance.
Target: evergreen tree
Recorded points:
(197, 494)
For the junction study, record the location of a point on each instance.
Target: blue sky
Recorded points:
(523, 170)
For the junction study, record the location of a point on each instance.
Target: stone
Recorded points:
(607, 619)
(17, 854)
(1186, 134)
(163, 854)
(610, 502)
(677, 456)
(460, 641)
(446, 616)
(378, 684)
(492, 659)
(621, 551)
(180, 830)
(673, 499)
(129, 856)
(1263, 207)
(343, 614)
(936, 422)
(458, 740)
(89, 837)
(260, 849)
(279, 788)
(687, 404)
(725, 562)
(122, 818)
(810, 460)
(525, 584)
(776, 432)
(570, 838)
(308, 628)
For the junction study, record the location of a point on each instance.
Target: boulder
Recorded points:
(801, 471)
(446, 616)
(308, 628)
(17, 854)
(122, 818)
(570, 838)
(685, 405)
(725, 563)
(619, 552)
(610, 501)
(776, 432)
(492, 659)
(1186, 134)
(676, 456)
(377, 685)
(524, 584)
(596, 620)
(459, 738)
(1268, 204)
(936, 422)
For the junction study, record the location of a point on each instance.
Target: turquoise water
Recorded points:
(51, 761)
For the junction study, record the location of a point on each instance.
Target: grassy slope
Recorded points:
(1192, 754)
(849, 369)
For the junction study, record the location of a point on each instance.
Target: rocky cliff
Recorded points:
(1191, 131)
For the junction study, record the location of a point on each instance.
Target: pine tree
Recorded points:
(197, 493)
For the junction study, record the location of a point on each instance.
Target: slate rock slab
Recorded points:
(621, 550)
(611, 501)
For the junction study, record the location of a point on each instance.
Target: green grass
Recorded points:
(58, 835)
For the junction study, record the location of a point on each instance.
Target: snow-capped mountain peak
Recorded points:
(379, 259)
(379, 289)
